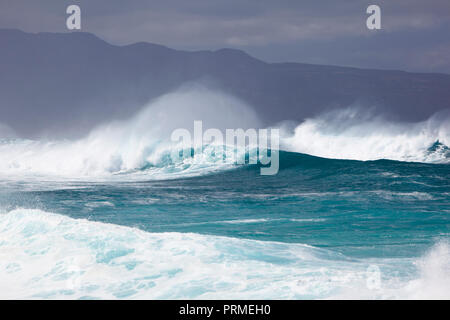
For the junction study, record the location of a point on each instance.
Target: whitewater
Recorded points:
(45, 255)
(142, 142)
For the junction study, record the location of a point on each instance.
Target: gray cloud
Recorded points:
(272, 30)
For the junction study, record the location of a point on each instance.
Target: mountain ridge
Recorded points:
(71, 81)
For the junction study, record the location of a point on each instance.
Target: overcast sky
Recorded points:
(415, 34)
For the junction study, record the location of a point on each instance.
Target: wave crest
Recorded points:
(141, 147)
(140, 143)
(356, 135)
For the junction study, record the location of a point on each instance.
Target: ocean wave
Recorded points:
(140, 147)
(353, 134)
(46, 255)
(91, 160)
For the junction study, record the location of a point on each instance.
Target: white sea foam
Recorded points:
(45, 255)
(357, 135)
(140, 142)
(308, 220)
(404, 196)
(432, 280)
(141, 145)
(245, 221)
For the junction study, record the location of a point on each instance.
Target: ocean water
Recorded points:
(320, 228)
(360, 208)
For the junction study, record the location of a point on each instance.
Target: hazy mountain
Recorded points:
(74, 80)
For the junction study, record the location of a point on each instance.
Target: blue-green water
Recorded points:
(320, 228)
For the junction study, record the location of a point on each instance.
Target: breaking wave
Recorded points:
(356, 135)
(46, 255)
(140, 146)
(141, 143)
